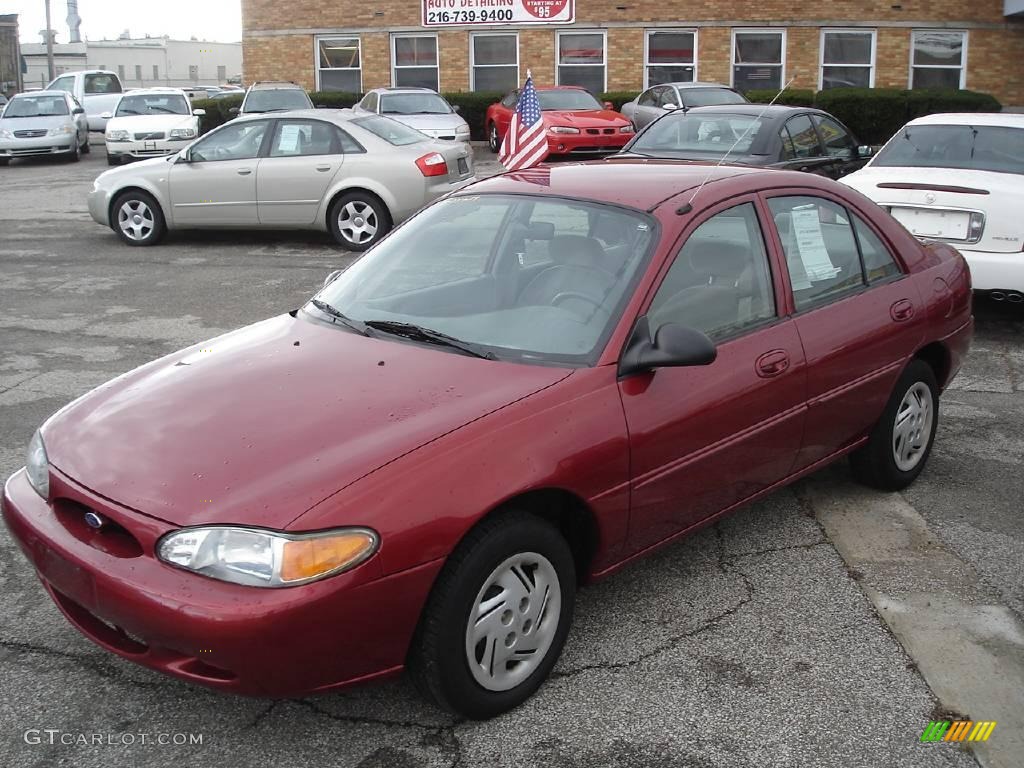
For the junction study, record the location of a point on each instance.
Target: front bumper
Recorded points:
(143, 150)
(98, 201)
(587, 144)
(44, 145)
(995, 271)
(246, 640)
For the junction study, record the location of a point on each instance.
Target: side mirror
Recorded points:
(103, 116)
(331, 278)
(673, 346)
(185, 156)
(865, 151)
(608, 105)
(669, 107)
(233, 111)
(198, 112)
(77, 111)
(457, 107)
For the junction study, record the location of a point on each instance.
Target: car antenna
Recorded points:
(688, 205)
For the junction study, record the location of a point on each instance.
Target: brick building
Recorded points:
(626, 45)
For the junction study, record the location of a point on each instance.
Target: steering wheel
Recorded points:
(566, 295)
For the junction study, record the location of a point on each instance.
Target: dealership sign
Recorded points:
(447, 13)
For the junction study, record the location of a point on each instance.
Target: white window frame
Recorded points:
(472, 55)
(963, 55)
(316, 57)
(757, 30)
(604, 61)
(394, 59)
(847, 30)
(647, 51)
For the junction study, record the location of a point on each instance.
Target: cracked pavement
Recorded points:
(748, 644)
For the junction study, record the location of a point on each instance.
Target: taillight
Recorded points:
(976, 227)
(432, 165)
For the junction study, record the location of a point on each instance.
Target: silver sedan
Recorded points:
(43, 123)
(355, 176)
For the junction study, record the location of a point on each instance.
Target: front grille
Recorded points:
(149, 136)
(33, 134)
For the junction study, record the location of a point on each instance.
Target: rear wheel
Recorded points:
(137, 219)
(358, 220)
(497, 618)
(111, 160)
(493, 141)
(901, 441)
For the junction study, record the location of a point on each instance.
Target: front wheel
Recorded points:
(75, 153)
(493, 141)
(901, 441)
(497, 618)
(137, 219)
(358, 220)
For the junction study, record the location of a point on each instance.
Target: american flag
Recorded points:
(525, 144)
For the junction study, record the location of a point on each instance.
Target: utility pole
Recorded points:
(49, 44)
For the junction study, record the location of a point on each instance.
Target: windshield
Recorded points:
(269, 99)
(526, 278)
(710, 97)
(414, 104)
(977, 148)
(568, 100)
(37, 106)
(390, 130)
(707, 136)
(153, 104)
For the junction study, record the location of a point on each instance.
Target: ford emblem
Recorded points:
(93, 520)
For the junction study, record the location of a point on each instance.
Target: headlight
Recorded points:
(261, 558)
(61, 130)
(181, 134)
(563, 129)
(462, 129)
(626, 129)
(118, 136)
(37, 466)
(5, 134)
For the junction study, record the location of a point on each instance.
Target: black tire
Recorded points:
(113, 160)
(4, 161)
(148, 235)
(875, 463)
(87, 147)
(361, 207)
(493, 140)
(438, 659)
(75, 153)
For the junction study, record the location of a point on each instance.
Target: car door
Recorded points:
(217, 185)
(646, 107)
(705, 438)
(801, 147)
(858, 315)
(840, 146)
(303, 158)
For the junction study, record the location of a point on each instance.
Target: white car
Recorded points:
(420, 108)
(958, 178)
(150, 122)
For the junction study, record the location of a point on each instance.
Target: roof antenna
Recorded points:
(688, 205)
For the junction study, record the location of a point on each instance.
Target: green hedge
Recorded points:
(216, 111)
(791, 97)
(335, 99)
(473, 108)
(617, 98)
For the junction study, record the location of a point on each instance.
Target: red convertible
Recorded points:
(529, 384)
(574, 120)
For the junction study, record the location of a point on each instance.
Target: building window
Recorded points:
(338, 65)
(156, 72)
(581, 60)
(938, 59)
(671, 57)
(138, 72)
(120, 72)
(758, 59)
(847, 58)
(414, 61)
(494, 61)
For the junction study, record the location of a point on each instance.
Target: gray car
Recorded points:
(419, 108)
(352, 175)
(43, 123)
(668, 97)
(272, 96)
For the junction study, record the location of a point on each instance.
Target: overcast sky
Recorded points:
(215, 20)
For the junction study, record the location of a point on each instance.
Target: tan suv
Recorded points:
(270, 96)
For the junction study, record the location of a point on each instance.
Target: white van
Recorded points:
(97, 90)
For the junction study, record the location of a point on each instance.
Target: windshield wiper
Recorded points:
(429, 336)
(127, 111)
(340, 317)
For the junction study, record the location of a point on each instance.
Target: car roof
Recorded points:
(155, 89)
(40, 93)
(402, 89)
(1008, 119)
(338, 116)
(630, 182)
(772, 112)
(274, 84)
(697, 84)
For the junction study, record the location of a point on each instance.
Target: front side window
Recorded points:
(369, 102)
(970, 147)
(461, 267)
(710, 135)
(757, 61)
(338, 64)
(938, 59)
(392, 131)
(837, 140)
(821, 249)
(301, 138)
(152, 104)
(847, 58)
(237, 141)
(414, 60)
(63, 84)
(799, 139)
(671, 57)
(494, 61)
(104, 83)
(581, 60)
(719, 282)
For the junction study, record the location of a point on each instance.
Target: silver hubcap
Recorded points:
(913, 426)
(513, 622)
(494, 136)
(358, 222)
(136, 220)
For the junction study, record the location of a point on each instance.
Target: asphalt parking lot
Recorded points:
(758, 642)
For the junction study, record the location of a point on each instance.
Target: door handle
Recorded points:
(323, 168)
(244, 171)
(902, 310)
(772, 363)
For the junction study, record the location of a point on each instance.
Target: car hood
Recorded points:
(34, 123)
(151, 123)
(257, 426)
(587, 118)
(431, 123)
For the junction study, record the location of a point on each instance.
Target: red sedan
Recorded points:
(576, 123)
(532, 382)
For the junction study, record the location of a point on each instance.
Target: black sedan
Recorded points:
(794, 138)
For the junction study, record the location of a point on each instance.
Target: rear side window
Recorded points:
(719, 282)
(64, 84)
(102, 84)
(390, 130)
(878, 262)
